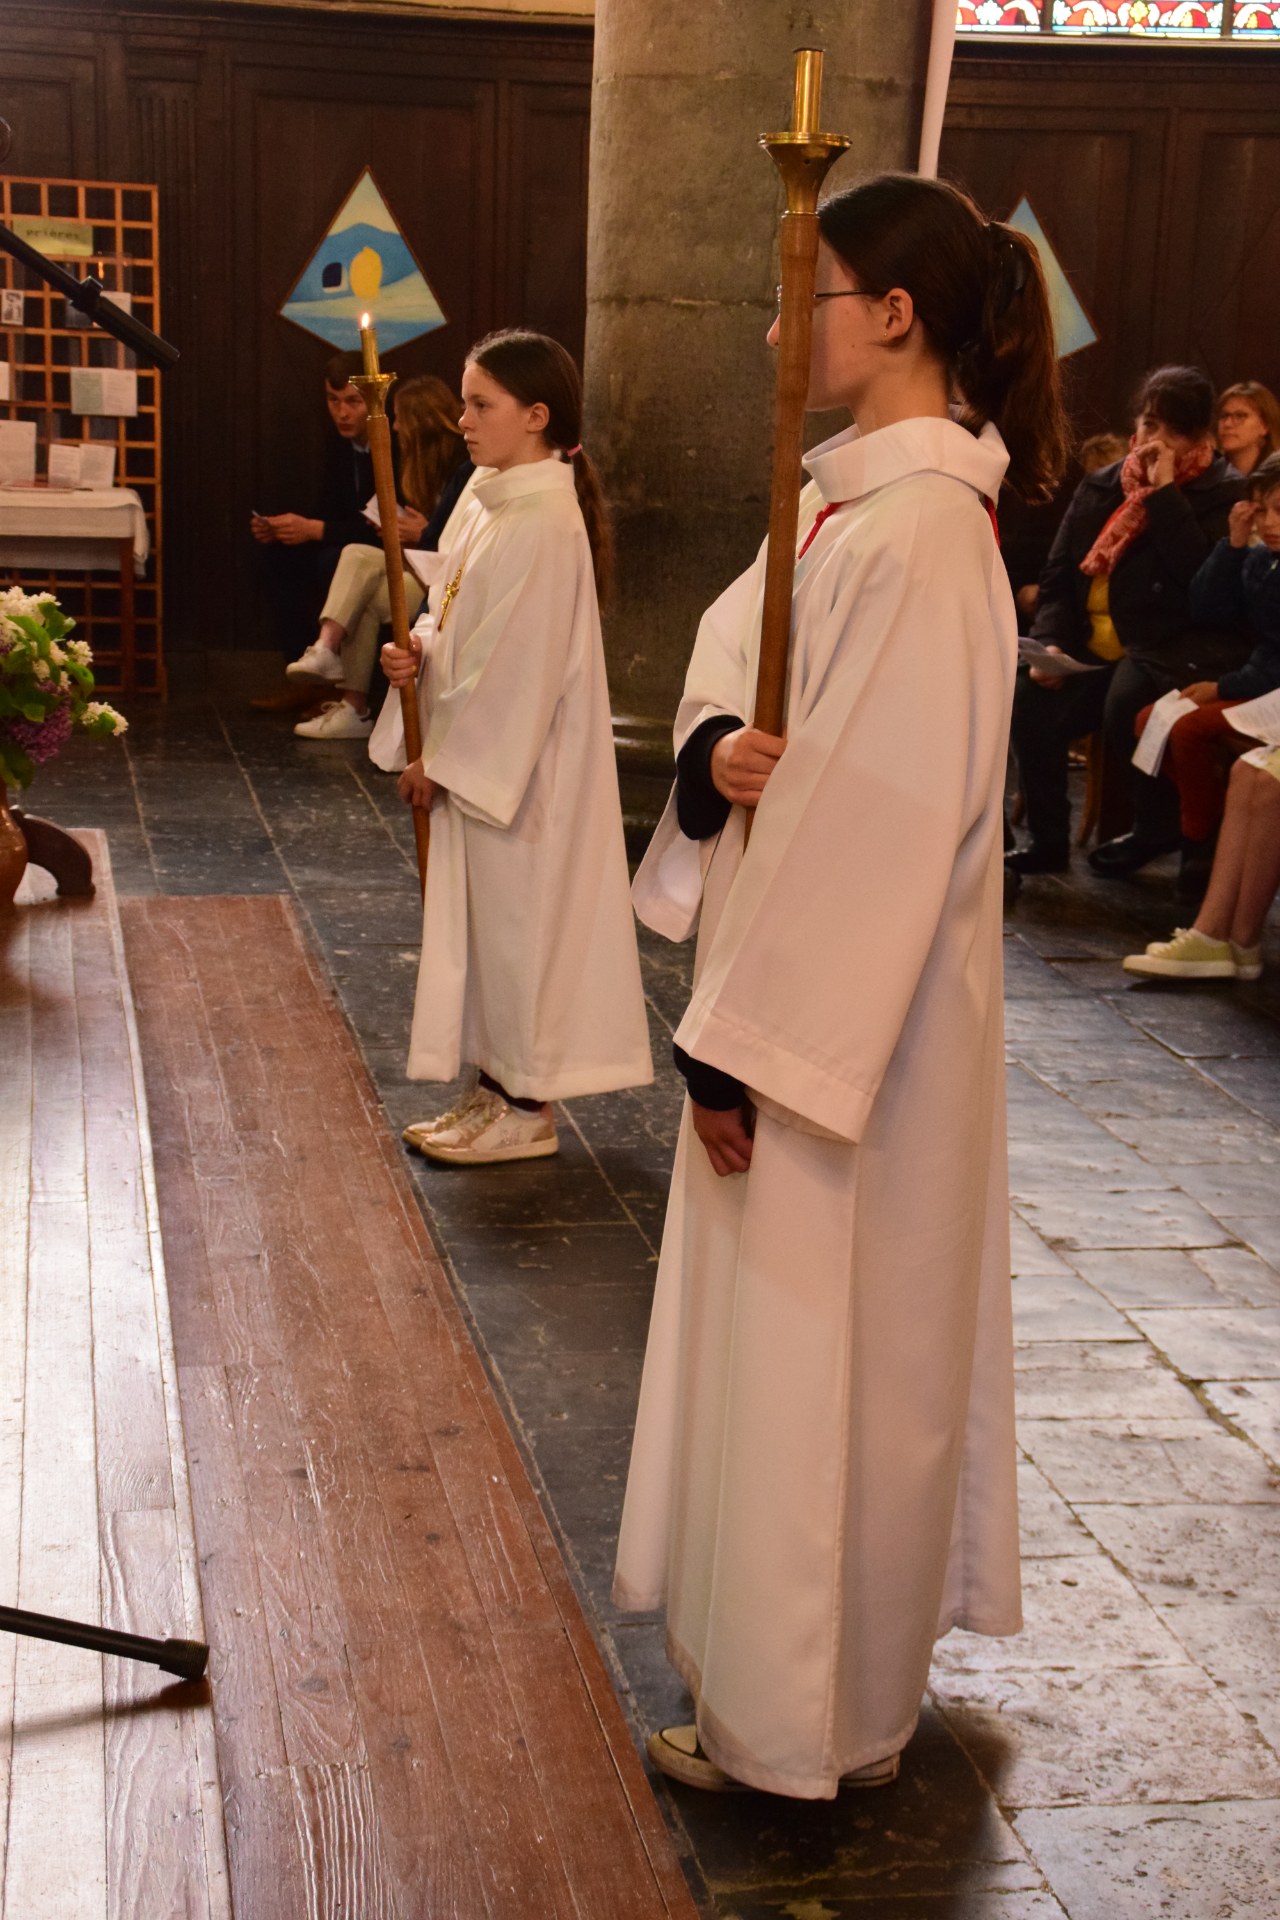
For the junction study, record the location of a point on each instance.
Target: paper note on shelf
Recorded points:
(98, 463)
(372, 513)
(1162, 719)
(11, 307)
(74, 316)
(108, 390)
(64, 464)
(1032, 653)
(1260, 718)
(427, 568)
(17, 453)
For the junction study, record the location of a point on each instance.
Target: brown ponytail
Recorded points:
(979, 294)
(535, 368)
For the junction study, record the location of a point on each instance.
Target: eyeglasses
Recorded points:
(1233, 419)
(837, 293)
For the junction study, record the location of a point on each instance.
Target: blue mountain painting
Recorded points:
(388, 281)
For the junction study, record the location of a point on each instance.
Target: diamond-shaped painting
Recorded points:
(1072, 327)
(363, 265)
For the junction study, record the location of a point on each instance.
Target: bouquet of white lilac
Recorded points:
(46, 686)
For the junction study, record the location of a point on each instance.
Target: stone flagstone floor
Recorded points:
(1117, 1760)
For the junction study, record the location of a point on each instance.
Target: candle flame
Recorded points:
(364, 320)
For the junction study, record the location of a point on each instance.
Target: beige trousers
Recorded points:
(358, 602)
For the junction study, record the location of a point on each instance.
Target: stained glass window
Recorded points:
(1256, 22)
(1241, 21)
(998, 16)
(1171, 19)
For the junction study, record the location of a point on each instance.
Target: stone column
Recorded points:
(681, 265)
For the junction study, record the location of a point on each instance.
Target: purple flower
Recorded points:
(41, 739)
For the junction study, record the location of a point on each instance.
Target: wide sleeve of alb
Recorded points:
(841, 894)
(486, 730)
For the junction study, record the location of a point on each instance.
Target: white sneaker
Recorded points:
(490, 1131)
(317, 663)
(1248, 962)
(420, 1130)
(336, 720)
(1190, 955)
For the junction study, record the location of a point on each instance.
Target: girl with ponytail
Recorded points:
(529, 973)
(823, 1473)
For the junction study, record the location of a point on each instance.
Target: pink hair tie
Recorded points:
(570, 451)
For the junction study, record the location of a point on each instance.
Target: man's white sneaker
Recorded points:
(317, 663)
(1248, 962)
(336, 720)
(490, 1131)
(1190, 955)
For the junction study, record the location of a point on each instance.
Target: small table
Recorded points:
(79, 530)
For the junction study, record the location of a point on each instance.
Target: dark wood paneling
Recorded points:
(1156, 175)
(254, 123)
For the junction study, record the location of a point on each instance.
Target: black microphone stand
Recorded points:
(185, 1658)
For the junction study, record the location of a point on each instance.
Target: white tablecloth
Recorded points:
(74, 530)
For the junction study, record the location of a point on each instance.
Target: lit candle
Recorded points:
(369, 344)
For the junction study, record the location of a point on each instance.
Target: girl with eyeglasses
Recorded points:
(822, 1479)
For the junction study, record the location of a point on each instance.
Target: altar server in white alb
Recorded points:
(822, 1480)
(529, 967)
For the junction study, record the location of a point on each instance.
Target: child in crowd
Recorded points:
(529, 966)
(342, 654)
(1238, 587)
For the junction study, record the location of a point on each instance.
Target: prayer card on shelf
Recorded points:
(17, 453)
(104, 390)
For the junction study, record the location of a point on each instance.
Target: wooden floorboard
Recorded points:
(110, 1801)
(406, 1694)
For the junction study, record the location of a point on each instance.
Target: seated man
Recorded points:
(301, 549)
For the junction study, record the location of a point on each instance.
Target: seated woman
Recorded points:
(433, 469)
(1238, 586)
(1247, 428)
(1226, 941)
(1114, 591)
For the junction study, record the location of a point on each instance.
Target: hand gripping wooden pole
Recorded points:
(803, 158)
(374, 387)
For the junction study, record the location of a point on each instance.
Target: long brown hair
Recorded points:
(980, 296)
(431, 442)
(535, 368)
(1263, 402)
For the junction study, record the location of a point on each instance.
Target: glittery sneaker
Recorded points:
(317, 663)
(1248, 962)
(420, 1130)
(1190, 955)
(491, 1131)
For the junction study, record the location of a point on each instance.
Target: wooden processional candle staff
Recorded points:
(374, 385)
(803, 158)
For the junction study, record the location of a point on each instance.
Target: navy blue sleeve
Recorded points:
(707, 1086)
(700, 806)
(1217, 591)
(1260, 673)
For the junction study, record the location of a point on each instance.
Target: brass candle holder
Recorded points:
(375, 385)
(803, 157)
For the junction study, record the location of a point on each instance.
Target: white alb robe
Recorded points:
(823, 1472)
(529, 965)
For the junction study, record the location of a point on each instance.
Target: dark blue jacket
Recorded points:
(1240, 587)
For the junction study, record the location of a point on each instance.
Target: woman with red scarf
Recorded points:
(1114, 593)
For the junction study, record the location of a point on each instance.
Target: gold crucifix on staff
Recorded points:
(375, 385)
